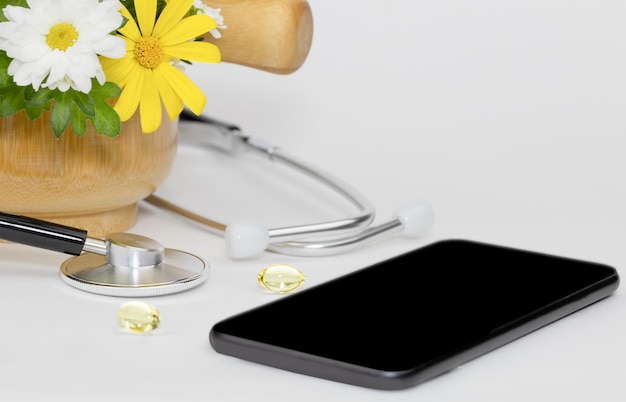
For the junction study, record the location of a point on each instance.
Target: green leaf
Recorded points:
(106, 120)
(101, 93)
(35, 112)
(79, 122)
(83, 101)
(36, 101)
(61, 113)
(11, 96)
(38, 98)
(5, 78)
(13, 101)
(75, 108)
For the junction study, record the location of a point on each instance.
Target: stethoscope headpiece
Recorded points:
(248, 239)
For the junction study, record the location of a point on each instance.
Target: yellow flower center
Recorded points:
(149, 52)
(61, 36)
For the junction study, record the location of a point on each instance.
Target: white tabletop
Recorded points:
(507, 116)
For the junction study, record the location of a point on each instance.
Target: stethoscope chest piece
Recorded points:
(121, 264)
(134, 266)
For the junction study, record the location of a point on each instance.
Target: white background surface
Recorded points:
(507, 116)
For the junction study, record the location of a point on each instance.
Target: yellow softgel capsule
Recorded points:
(281, 278)
(138, 316)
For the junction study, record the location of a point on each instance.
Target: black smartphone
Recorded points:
(408, 319)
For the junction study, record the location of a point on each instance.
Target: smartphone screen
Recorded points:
(405, 320)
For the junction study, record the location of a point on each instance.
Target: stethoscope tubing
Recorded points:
(339, 245)
(282, 237)
(42, 234)
(315, 239)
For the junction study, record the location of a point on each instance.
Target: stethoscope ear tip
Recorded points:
(417, 218)
(246, 239)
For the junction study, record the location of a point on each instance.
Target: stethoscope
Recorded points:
(246, 239)
(125, 264)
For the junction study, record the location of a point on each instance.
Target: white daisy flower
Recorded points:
(56, 43)
(214, 13)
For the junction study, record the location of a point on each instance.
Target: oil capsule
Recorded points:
(138, 316)
(281, 278)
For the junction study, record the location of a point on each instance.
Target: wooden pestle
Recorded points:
(269, 35)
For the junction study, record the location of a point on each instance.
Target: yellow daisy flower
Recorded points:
(146, 73)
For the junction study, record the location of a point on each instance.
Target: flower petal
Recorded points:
(119, 71)
(146, 14)
(130, 29)
(131, 94)
(195, 51)
(172, 102)
(187, 29)
(150, 109)
(110, 46)
(190, 94)
(173, 12)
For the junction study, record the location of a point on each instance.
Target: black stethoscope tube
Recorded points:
(42, 234)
